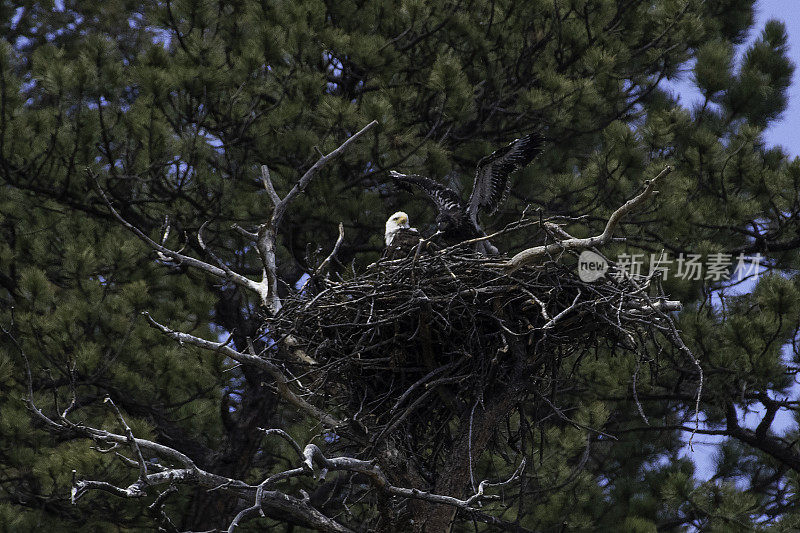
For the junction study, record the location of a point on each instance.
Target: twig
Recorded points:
(285, 436)
(560, 315)
(326, 263)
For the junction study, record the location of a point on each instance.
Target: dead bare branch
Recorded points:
(323, 267)
(131, 440)
(265, 179)
(533, 255)
(267, 232)
(281, 380)
(221, 271)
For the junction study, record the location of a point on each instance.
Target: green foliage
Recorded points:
(712, 68)
(759, 92)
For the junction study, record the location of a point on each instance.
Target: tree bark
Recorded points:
(475, 430)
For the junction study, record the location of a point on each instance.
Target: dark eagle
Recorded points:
(458, 222)
(400, 237)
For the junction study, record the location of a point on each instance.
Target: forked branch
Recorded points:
(534, 254)
(267, 232)
(267, 288)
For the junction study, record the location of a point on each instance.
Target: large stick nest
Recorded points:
(439, 329)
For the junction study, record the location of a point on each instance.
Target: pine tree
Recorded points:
(171, 108)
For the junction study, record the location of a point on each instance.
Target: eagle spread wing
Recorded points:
(491, 178)
(458, 223)
(446, 199)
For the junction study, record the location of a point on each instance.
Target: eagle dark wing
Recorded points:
(491, 178)
(445, 199)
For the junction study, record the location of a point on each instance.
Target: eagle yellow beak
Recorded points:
(402, 220)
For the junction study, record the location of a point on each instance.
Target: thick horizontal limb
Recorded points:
(313, 455)
(276, 503)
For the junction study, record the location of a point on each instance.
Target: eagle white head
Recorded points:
(395, 223)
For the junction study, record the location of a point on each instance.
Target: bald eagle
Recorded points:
(400, 237)
(458, 222)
